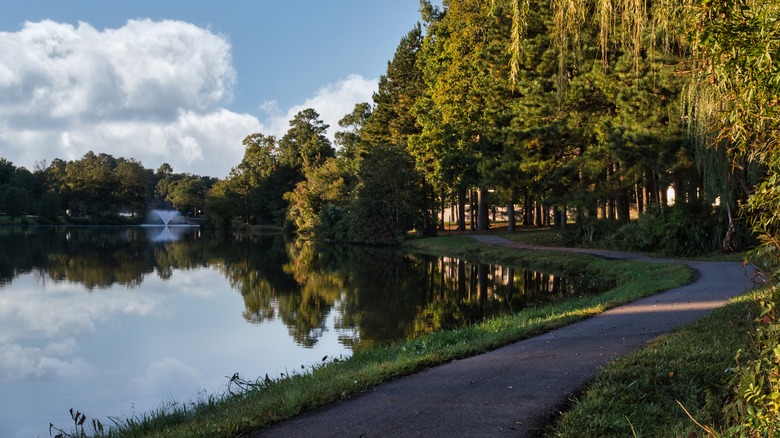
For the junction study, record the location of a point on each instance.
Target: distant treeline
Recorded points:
(98, 186)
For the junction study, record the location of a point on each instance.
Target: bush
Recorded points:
(755, 407)
(333, 223)
(683, 230)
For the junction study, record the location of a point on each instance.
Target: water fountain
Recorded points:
(166, 225)
(165, 215)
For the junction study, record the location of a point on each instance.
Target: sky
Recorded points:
(183, 83)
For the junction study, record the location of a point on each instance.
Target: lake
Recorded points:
(117, 321)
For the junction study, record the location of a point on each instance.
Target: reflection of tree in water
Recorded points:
(380, 295)
(100, 258)
(97, 258)
(21, 252)
(380, 306)
(252, 266)
(460, 293)
(284, 280)
(376, 295)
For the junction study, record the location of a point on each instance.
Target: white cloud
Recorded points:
(154, 91)
(331, 102)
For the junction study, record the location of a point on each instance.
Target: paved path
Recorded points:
(514, 390)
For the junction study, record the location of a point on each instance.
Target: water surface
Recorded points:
(116, 321)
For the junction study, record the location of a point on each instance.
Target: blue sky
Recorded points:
(183, 82)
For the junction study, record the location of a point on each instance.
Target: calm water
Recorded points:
(116, 321)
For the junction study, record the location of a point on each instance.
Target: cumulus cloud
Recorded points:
(332, 102)
(154, 91)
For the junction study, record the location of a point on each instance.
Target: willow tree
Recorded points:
(733, 103)
(734, 100)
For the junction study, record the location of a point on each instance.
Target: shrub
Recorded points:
(683, 230)
(755, 407)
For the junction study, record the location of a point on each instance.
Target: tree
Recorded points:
(464, 109)
(14, 201)
(305, 144)
(351, 140)
(7, 169)
(50, 205)
(221, 205)
(132, 185)
(389, 197)
(90, 184)
(323, 187)
(392, 121)
(188, 194)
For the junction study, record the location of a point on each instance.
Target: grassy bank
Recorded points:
(638, 394)
(268, 401)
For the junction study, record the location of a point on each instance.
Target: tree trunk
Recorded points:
(539, 214)
(461, 209)
(623, 212)
(482, 220)
(473, 208)
(563, 218)
(729, 241)
(510, 209)
(527, 211)
(443, 209)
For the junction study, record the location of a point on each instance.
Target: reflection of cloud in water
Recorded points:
(168, 372)
(29, 313)
(19, 363)
(30, 316)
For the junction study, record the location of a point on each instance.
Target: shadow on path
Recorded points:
(513, 391)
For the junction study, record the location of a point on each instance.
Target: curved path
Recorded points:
(514, 390)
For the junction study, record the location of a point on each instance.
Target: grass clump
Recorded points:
(267, 401)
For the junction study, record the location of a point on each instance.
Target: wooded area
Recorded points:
(594, 113)
(644, 125)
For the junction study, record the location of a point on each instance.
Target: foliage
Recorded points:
(682, 230)
(736, 97)
(321, 187)
(754, 409)
(388, 197)
(98, 188)
(14, 201)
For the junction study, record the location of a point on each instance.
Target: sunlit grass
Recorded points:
(268, 401)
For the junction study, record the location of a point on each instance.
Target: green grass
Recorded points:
(273, 400)
(638, 394)
(553, 237)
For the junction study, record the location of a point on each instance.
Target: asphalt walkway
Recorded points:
(515, 390)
